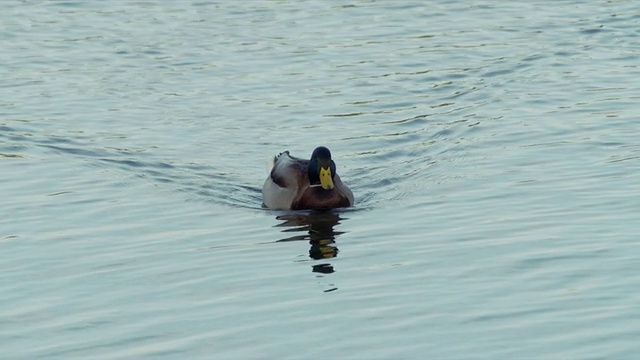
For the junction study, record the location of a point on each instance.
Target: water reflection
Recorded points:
(317, 228)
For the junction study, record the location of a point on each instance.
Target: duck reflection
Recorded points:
(318, 230)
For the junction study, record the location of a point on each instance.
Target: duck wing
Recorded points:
(289, 171)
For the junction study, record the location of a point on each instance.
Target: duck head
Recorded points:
(322, 169)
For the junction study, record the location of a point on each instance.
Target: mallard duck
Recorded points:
(297, 184)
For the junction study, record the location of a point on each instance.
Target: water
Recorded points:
(492, 148)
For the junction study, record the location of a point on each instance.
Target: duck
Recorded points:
(299, 184)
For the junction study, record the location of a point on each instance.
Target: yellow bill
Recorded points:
(325, 178)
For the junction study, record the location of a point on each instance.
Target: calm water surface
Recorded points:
(493, 149)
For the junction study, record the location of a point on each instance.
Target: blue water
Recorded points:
(492, 148)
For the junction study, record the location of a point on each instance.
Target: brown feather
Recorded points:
(318, 198)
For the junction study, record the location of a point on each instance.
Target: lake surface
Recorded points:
(493, 149)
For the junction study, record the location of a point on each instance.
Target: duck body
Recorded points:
(300, 184)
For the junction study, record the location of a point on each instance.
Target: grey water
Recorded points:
(492, 146)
